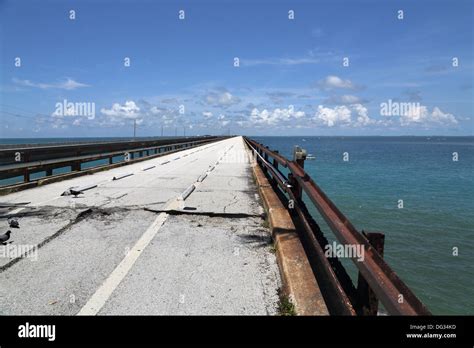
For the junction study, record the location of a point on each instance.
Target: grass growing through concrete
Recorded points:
(285, 307)
(273, 248)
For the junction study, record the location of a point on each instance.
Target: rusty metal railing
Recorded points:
(377, 281)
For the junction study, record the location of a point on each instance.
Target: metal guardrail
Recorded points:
(24, 161)
(377, 281)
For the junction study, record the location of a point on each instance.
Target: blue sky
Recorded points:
(290, 79)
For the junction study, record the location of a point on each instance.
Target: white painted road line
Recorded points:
(118, 177)
(98, 300)
(187, 192)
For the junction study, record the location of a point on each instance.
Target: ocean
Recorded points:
(437, 213)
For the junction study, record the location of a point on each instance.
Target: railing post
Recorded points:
(26, 174)
(265, 156)
(299, 155)
(367, 302)
(275, 165)
(275, 162)
(76, 166)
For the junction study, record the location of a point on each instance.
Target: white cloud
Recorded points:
(362, 115)
(333, 82)
(334, 116)
(419, 114)
(414, 114)
(129, 110)
(207, 114)
(69, 84)
(272, 118)
(440, 117)
(342, 115)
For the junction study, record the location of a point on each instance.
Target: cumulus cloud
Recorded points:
(419, 114)
(129, 110)
(342, 115)
(334, 116)
(362, 115)
(440, 117)
(414, 113)
(274, 117)
(68, 84)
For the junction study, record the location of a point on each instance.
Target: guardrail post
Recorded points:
(367, 302)
(26, 175)
(275, 162)
(275, 165)
(295, 187)
(299, 155)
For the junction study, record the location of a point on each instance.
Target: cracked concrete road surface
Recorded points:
(184, 237)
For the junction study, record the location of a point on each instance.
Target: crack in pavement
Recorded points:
(234, 200)
(81, 216)
(209, 214)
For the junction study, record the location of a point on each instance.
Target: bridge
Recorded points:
(198, 225)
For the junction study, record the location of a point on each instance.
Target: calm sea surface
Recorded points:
(437, 194)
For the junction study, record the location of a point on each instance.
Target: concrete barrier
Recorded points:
(299, 284)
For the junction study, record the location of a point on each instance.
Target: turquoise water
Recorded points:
(437, 194)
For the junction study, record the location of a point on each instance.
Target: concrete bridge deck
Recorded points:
(136, 245)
